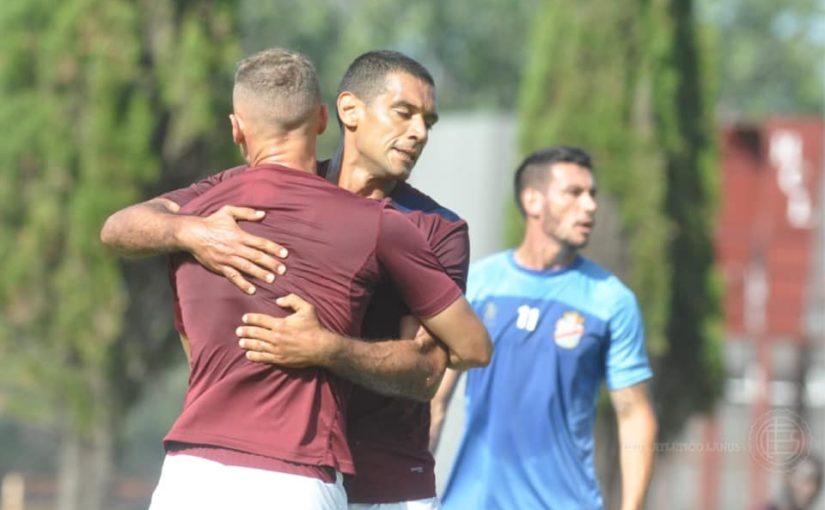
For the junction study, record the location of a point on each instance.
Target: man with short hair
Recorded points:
(560, 324)
(385, 106)
(254, 436)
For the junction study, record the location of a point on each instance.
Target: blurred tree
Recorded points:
(768, 56)
(593, 88)
(106, 101)
(634, 93)
(690, 364)
(473, 69)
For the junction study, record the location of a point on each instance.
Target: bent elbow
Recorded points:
(486, 353)
(423, 391)
(429, 391)
(478, 356)
(107, 232)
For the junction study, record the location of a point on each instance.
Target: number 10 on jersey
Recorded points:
(528, 318)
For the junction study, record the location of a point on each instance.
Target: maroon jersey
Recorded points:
(389, 437)
(341, 246)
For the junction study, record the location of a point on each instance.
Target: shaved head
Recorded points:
(276, 89)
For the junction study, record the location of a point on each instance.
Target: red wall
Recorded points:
(762, 185)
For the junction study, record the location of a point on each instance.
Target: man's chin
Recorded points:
(400, 173)
(579, 244)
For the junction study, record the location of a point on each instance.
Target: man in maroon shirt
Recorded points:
(386, 97)
(250, 434)
(385, 107)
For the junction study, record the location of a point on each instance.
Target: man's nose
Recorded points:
(418, 128)
(589, 202)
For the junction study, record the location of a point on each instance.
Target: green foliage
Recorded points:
(687, 139)
(592, 88)
(768, 56)
(102, 99)
(453, 39)
(632, 93)
(474, 48)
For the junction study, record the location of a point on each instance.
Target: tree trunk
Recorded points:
(86, 469)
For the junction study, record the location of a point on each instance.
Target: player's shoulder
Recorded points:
(491, 267)
(311, 183)
(494, 262)
(407, 198)
(222, 176)
(606, 286)
(229, 173)
(489, 275)
(218, 178)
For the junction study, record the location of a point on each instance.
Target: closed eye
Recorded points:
(404, 113)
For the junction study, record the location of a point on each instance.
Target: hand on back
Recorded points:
(220, 245)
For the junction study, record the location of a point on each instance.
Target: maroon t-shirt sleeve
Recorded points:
(183, 196)
(405, 254)
(453, 252)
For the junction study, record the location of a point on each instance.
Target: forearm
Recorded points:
(637, 436)
(409, 368)
(147, 228)
(463, 333)
(460, 363)
(439, 405)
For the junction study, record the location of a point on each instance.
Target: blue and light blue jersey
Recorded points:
(528, 442)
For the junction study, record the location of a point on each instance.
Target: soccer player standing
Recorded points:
(560, 325)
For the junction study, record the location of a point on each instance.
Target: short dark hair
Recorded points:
(365, 76)
(534, 170)
(282, 84)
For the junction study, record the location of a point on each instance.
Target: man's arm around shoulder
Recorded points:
(216, 241)
(407, 367)
(410, 368)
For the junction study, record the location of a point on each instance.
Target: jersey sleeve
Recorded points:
(183, 196)
(406, 256)
(453, 252)
(627, 362)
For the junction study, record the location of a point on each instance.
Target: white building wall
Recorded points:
(468, 167)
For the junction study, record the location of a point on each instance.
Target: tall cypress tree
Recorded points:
(104, 101)
(687, 138)
(588, 83)
(626, 80)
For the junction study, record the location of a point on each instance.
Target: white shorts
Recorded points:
(419, 504)
(188, 482)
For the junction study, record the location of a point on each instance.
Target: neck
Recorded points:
(357, 178)
(540, 252)
(292, 149)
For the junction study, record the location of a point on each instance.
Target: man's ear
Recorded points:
(237, 129)
(532, 201)
(324, 119)
(348, 106)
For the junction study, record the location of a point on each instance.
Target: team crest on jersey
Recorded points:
(569, 330)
